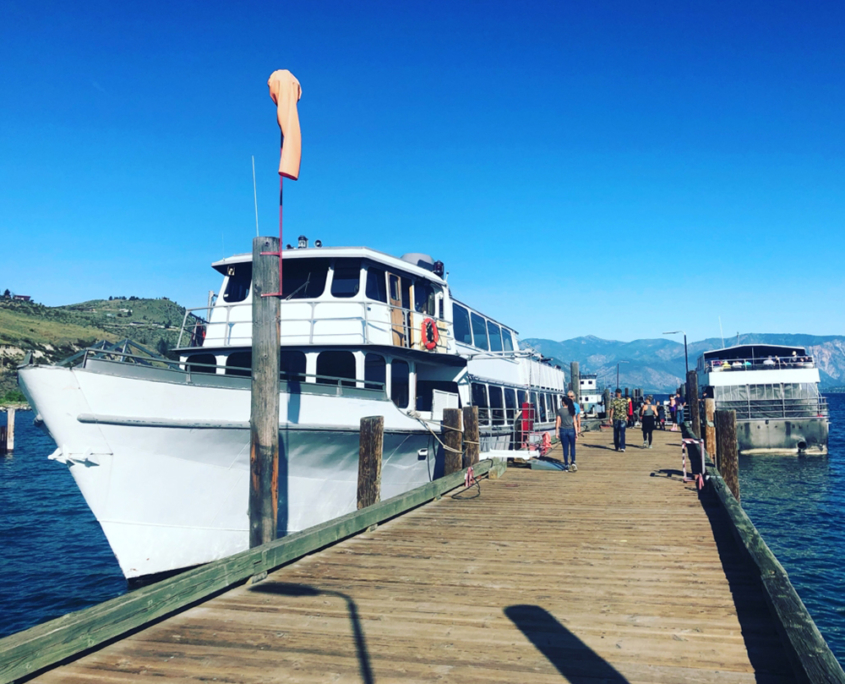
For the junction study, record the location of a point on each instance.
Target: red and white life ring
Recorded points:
(430, 334)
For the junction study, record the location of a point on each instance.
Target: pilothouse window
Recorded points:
(479, 332)
(237, 285)
(346, 281)
(507, 340)
(461, 324)
(495, 336)
(376, 284)
(304, 278)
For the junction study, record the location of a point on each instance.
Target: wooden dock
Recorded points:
(616, 573)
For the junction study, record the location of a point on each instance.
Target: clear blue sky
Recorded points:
(607, 168)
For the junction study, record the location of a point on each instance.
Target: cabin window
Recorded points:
(425, 392)
(237, 286)
(239, 363)
(376, 284)
(510, 405)
(423, 297)
(550, 408)
(202, 363)
(507, 340)
(399, 383)
(495, 333)
(375, 371)
(540, 407)
(336, 366)
(461, 324)
(479, 331)
(406, 293)
(523, 397)
(304, 278)
(497, 406)
(479, 399)
(346, 280)
(292, 365)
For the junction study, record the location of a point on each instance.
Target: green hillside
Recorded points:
(54, 333)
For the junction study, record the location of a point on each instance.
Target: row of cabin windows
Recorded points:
(306, 279)
(500, 405)
(336, 367)
(479, 332)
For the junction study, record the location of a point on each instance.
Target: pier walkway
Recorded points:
(612, 574)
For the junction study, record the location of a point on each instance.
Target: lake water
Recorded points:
(55, 559)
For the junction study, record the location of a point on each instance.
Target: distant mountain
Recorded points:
(658, 364)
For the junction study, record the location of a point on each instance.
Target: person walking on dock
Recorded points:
(679, 411)
(566, 423)
(648, 414)
(672, 409)
(571, 395)
(661, 416)
(619, 419)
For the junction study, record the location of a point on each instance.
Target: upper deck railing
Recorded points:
(768, 363)
(316, 322)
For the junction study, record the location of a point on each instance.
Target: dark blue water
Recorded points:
(55, 559)
(798, 504)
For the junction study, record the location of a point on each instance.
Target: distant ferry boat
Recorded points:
(775, 392)
(160, 449)
(591, 396)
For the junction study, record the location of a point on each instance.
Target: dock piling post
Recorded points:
(371, 445)
(10, 430)
(452, 437)
(470, 415)
(575, 374)
(692, 400)
(727, 450)
(606, 400)
(264, 411)
(709, 429)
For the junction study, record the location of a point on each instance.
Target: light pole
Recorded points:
(686, 355)
(617, 372)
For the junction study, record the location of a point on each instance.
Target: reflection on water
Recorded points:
(54, 558)
(798, 505)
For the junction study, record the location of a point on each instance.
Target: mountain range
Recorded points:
(658, 364)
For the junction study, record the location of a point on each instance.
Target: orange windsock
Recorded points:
(286, 91)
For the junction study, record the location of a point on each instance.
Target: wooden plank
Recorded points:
(452, 437)
(264, 409)
(27, 652)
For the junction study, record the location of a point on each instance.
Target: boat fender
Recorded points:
(430, 333)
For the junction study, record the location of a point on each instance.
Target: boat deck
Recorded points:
(616, 573)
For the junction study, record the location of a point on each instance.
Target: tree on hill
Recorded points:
(7, 294)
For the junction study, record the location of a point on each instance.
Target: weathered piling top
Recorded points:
(616, 573)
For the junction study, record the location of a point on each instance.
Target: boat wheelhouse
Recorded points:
(160, 448)
(591, 396)
(774, 390)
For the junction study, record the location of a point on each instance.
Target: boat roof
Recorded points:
(335, 252)
(753, 351)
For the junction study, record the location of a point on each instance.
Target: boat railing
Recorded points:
(120, 354)
(810, 407)
(768, 363)
(369, 322)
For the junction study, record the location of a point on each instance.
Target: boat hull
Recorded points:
(786, 436)
(164, 465)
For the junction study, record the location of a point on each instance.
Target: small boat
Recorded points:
(774, 390)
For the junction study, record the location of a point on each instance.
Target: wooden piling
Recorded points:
(727, 449)
(452, 437)
(264, 414)
(709, 429)
(471, 436)
(370, 446)
(606, 400)
(575, 374)
(692, 401)
(10, 430)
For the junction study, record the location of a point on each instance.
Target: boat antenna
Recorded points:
(721, 333)
(255, 195)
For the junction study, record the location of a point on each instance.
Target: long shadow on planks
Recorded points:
(288, 589)
(764, 646)
(576, 661)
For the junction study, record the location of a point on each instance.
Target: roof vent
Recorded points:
(421, 260)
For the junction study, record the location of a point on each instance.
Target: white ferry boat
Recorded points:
(160, 449)
(775, 392)
(591, 396)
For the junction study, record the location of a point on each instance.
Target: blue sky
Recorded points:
(607, 168)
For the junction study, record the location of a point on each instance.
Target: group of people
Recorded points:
(651, 416)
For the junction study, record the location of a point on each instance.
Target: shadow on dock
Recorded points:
(294, 590)
(576, 661)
